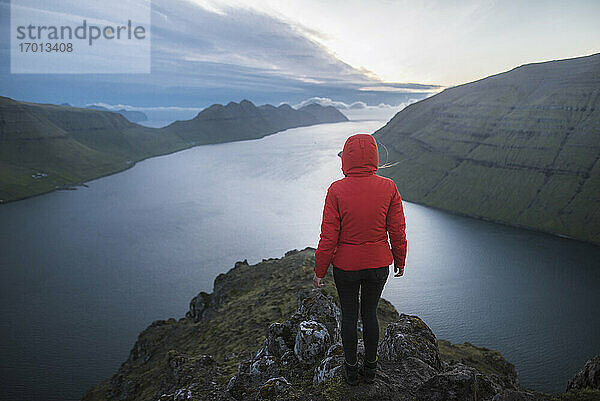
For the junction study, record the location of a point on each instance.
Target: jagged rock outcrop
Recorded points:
(410, 364)
(312, 341)
(587, 377)
(265, 333)
(316, 306)
(186, 376)
(290, 348)
(410, 337)
(199, 306)
(583, 386)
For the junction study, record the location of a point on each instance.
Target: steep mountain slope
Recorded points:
(44, 146)
(521, 147)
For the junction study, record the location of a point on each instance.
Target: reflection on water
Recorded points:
(83, 272)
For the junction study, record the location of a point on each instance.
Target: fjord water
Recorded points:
(83, 272)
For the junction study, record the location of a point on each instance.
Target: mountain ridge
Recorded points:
(46, 147)
(253, 121)
(520, 148)
(132, 115)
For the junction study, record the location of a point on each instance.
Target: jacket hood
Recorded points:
(360, 155)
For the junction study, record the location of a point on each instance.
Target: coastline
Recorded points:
(131, 163)
(503, 223)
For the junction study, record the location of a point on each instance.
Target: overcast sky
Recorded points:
(376, 51)
(441, 42)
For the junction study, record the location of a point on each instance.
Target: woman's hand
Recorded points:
(317, 282)
(399, 271)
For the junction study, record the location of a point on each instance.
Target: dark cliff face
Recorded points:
(44, 146)
(265, 333)
(521, 147)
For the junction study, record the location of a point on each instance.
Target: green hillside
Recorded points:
(521, 147)
(44, 147)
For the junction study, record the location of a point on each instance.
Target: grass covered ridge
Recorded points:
(250, 298)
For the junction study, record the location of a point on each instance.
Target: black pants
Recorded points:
(370, 282)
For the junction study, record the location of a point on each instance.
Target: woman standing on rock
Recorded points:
(360, 210)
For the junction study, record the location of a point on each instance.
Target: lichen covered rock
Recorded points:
(199, 306)
(315, 305)
(410, 337)
(252, 339)
(410, 365)
(588, 376)
(189, 378)
(279, 340)
(274, 387)
(461, 383)
(331, 365)
(312, 341)
(292, 346)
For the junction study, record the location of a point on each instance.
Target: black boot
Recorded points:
(350, 373)
(368, 371)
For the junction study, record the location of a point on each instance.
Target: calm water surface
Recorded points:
(83, 272)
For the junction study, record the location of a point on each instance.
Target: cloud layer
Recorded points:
(203, 55)
(359, 110)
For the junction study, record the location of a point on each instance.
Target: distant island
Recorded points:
(44, 147)
(521, 148)
(132, 115)
(265, 334)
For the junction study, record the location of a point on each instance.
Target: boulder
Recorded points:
(409, 373)
(410, 337)
(199, 306)
(314, 305)
(461, 383)
(279, 340)
(331, 365)
(274, 387)
(188, 377)
(312, 341)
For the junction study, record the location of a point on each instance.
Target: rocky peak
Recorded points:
(587, 377)
(244, 342)
(308, 344)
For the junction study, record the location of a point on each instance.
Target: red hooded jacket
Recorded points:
(360, 210)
